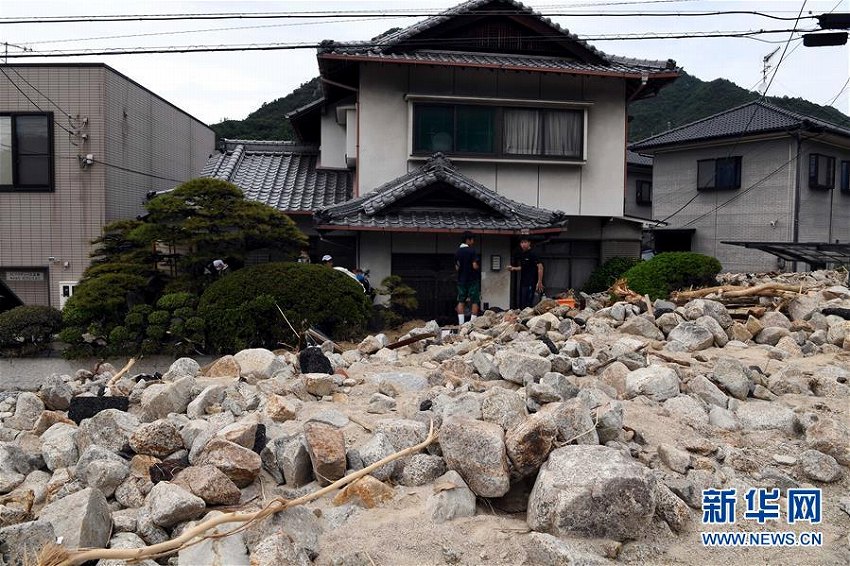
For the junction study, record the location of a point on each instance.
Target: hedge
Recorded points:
(672, 271)
(27, 328)
(607, 274)
(241, 308)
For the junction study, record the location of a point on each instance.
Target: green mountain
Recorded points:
(686, 100)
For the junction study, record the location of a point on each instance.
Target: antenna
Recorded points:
(766, 66)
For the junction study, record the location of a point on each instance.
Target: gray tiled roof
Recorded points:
(375, 209)
(388, 48)
(280, 174)
(634, 158)
(755, 117)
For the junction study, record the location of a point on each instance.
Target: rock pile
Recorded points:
(598, 428)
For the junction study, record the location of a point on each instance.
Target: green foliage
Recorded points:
(671, 271)
(689, 99)
(606, 274)
(402, 304)
(268, 122)
(241, 309)
(27, 328)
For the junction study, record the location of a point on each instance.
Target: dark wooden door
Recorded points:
(433, 276)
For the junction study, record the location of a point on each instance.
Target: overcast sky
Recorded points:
(213, 86)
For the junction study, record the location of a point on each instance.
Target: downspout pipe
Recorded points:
(797, 190)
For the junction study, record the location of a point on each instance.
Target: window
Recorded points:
(718, 174)
(821, 171)
(508, 133)
(26, 152)
(644, 192)
(845, 176)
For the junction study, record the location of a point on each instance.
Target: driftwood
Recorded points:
(736, 291)
(321, 339)
(411, 340)
(55, 555)
(119, 375)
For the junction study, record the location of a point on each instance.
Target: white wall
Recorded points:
(332, 150)
(594, 188)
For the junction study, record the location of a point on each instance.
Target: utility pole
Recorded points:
(7, 45)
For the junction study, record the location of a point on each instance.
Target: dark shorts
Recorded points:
(471, 291)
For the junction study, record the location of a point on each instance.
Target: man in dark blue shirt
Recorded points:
(530, 273)
(468, 267)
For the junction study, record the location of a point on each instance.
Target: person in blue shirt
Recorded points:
(468, 267)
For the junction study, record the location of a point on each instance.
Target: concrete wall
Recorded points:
(632, 208)
(748, 217)
(824, 214)
(594, 188)
(332, 150)
(153, 137)
(146, 134)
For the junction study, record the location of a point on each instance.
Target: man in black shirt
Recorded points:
(530, 273)
(468, 267)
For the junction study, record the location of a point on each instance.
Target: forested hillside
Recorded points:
(684, 101)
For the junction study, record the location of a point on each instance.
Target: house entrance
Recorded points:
(433, 277)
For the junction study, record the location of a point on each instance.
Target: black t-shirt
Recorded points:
(464, 257)
(528, 261)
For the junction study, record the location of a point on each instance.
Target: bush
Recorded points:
(24, 329)
(607, 274)
(240, 309)
(671, 271)
(402, 304)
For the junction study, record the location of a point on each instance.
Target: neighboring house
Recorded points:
(80, 146)
(638, 186)
(488, 118)
(754, 174)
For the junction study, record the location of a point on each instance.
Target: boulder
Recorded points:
(375, 449)
(158, 438)
(829, 435)
(222, 551)
(206, 399)
(483, 364)
(422, 469)
(161, 399)
(528, 444)
(710, 324)
(58, 447)
(766, 415)
(111, 429)
(258, 364)
(476, 450)
(641, 326)
(687, 410)
(225, 366)
(326, 447)
(28, 409)
(312, 360)
(543, 548)
(674, 458)
(169, 504)
(514, 366)
(282, 409)
(288, 460)
(657, 382)
(55, 393)
(692, 336)
(210, 484)
(451, 499)
(592, 490)
(573, 422)
(771, 335)
(731, 374)
(238, 463)
(101, 469)
(180, 368)
(20, 543)
(367, 492)
(82, 519)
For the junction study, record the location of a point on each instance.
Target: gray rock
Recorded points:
(674, 458)
(573, 421)
(692, 336)
(543, 548)
(829, 435)
(820, 467)
(82, 519)
(710, 324)
(559, 383)
(375, 449)
(733, 376)
(161, 399)
(687, 409)
(58, 447)
(402, 381)
(514, 366)
(609, 421)
(287, 459)
(454, 499)
(485, 367)
(242, 465)
(124, 521)
(28, 409)
(772, 335)
(380, 404)
(223, 551)
(503, 407)
(21, 543)
(148, 530)
(775, 319)
(55, 393)
(331, 417)
(668, 321)
(700, 386)
(258, 364)
(110, 428)
(169, 504)
(158, 438)
(764, 415)
(641, 326)
(528, 445)
(657, 382)
(277, 549)
(402, 433)
(105, 475)
(670, 508)
(476, 450)
(593, 490)
(126, 540)
(210, 484)
(320, 384)
(182, 367)
(299, 523)
(211, 395)
(723, 419)
(422, 469)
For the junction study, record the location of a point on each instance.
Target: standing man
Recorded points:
(468, 267)
(530, 273)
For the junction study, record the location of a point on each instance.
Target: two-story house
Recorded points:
(80, 146)
(488, 118)
(772, 183)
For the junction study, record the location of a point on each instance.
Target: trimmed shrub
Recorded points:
(607, 274)
(26, 328)
(402, 304)
(241, 309)
(672, 271)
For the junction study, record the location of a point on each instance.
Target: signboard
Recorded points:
(24, 276)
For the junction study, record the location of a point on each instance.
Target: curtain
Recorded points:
(564, 132)
(522, 132)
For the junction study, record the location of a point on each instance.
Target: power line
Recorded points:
(32, 86)
(33, 102)
(840, 92)
(749, 34)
